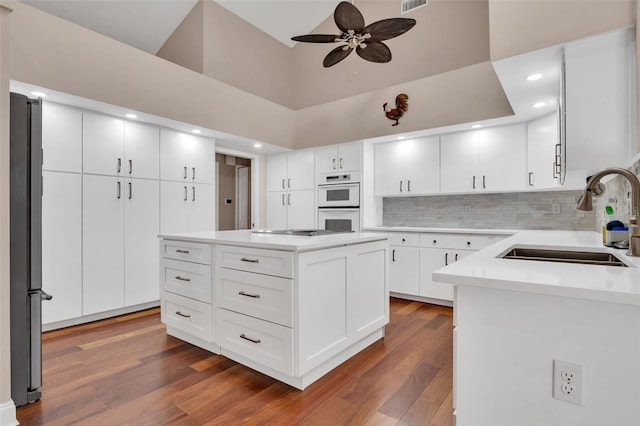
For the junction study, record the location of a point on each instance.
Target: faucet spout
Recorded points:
(585, 203)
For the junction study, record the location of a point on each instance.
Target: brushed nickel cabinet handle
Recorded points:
(408, 186)
(340, 163)
(289, 183)
(484, 182)
(455, 259)
(119, 164)
(400, 186)
(555, 170)
(179, 278)
(288, 199)
(130, 166)
(193, 173)
(182, 251)
(193, 193)
(130, 191)
(244, 259)
(185, 193)
(473, 185)
(393, 255)
(333, 162)
(283, 183)
(283, 198)
(119, 190)
(446, 259)
(254, 296)
(530, 178)
(185, 172)
(183, 315)
(243, 336)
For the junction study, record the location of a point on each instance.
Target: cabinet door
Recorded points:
(301, 209)
(389, 168)
(541, 142)
(102, 144)
(404, 270)
(276, 210)
(349, 157)
(277, 172)
(62, 245)
(174, 154)
(422, 165)
(103, 243)
(141, 227)
(201, 207)
(300, 170)
(327, 159)
(430, 260)
(202, 163)
(174, 208)
(61, 138)
(459, 162)
(502, 158)
(141, 151)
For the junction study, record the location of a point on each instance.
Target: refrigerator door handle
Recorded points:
(35, 344)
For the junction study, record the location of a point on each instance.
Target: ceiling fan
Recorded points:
(367, 41)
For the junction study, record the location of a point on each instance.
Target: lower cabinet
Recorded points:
(405, 253)
(186, 207)
(432, 259)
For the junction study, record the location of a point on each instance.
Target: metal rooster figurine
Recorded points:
(402, 106)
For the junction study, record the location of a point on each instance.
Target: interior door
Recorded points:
(242, 198)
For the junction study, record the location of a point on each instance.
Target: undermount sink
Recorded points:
(564, 256)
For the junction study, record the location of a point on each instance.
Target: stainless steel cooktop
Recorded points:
(299, 232)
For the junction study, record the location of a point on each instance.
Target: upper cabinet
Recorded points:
(291, 171)
(339, 158)
(61, 138)
(409, 167)
(186, 158)
(600, 101)
(542, 140)
(491, 159)
(103, 144)
(141, 150)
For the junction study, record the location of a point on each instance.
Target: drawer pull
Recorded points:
(182, 315)
(182, 251)
(183, 279)
(244, 259)
(256, 341)
(255, 296)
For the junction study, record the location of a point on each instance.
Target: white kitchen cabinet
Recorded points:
(410, 167)
(102, 144)
(61, 138)
(436, 258)
(186, 207)
(339, 158)
(404, 272)
(291, 210)
(186, 158)
(62, 245)
(141, 151)
(141, 227)
(542, 138)
(492, 159)
(291, 171)
(600, 102)
(103, 243)
(276, 210)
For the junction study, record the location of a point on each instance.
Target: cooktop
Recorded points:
(299, 232)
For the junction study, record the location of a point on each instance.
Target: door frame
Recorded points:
(255, 190)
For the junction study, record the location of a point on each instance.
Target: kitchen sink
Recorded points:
(564, 256)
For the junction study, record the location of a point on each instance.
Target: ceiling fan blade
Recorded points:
(389, 28)
(375, 51)
(316, 38)
(348, 17)
(336, 55)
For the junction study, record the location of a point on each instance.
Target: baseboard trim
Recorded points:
(8, 414)
(99, 316)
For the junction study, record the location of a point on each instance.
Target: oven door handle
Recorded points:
(338, 209)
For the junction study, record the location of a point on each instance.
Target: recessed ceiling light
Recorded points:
(476, 126)
(196, 131)
(539, 104)
(534, 77)
(257, 145)
(400, 138)
(131, 116)
(39, 94)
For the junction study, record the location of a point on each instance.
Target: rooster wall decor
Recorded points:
(402, 106)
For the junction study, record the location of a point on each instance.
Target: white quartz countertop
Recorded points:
(486, 268)
(483, 231)
(246, 238)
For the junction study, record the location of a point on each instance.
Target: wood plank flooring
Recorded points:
(127, 371)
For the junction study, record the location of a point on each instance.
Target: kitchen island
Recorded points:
(291, 307)
(513, 318)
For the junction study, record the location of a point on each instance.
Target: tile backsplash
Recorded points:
(522, 210)
(617, 195)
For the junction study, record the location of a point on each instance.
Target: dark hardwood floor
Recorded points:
(127, 371)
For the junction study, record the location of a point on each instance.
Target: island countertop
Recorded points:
(486, 268)
(246, 238)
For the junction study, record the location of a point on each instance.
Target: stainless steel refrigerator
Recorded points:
(26, 248)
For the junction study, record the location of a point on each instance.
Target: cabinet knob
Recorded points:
(403, 240)
(468, 243)
(435, 241)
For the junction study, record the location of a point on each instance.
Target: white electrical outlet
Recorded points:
(555, 208)
(467, 209)
(567, 381)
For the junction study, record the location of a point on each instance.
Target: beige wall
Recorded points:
(62, 56)
(5, 360)
(524, 25)
(189, 33)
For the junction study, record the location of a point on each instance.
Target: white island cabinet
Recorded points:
(290, 307)
(515, 320)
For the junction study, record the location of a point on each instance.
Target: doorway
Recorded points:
(233, 181)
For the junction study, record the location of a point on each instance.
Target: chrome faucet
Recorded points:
(585, 203)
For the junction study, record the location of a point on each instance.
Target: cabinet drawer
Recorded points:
(188, 315)
(261, 261)
(260, 341)
(182, 250)
(456, 241)
(400, 239)
(261, 296)
(186, 279)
